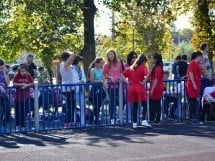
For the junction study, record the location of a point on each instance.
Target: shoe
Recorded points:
(201, 123)
(134, 125)
(145, 123)
(112, 121)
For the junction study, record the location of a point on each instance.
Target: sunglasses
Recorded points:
(30, 56)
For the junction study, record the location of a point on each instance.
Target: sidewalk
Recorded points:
(166, 142)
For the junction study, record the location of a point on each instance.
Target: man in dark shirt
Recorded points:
(174, 67)
(31, 66)
(182, 67)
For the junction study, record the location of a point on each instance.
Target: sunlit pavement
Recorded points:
(165, 142)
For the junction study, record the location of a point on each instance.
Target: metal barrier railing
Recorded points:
(52, 107)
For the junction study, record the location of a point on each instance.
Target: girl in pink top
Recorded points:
(112, 71)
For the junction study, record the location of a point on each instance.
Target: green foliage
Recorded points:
(43, 27)
(184, 48)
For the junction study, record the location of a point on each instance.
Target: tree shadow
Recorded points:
(113, 136)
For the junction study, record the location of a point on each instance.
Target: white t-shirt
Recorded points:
(66, 77)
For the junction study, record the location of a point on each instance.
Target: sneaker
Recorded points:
(134, 125)
(201, 123)
(145, 123)
(112, 122)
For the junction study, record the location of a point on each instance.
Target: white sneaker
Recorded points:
(145, 123)
(112, 121)
(134, 125)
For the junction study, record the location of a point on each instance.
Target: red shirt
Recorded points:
(136, 91)
(159, 88)
(197, 70)
(22, 94)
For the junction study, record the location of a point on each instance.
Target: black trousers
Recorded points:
(155, 110)
(69, 106)
(193, 108)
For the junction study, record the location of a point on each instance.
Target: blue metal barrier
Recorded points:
(52, 107)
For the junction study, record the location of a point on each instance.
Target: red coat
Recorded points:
(197, 70)
(159, 88)
(136, 91)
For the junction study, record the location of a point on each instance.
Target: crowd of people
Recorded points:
(105, 77)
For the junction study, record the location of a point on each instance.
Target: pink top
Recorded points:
(114, 72)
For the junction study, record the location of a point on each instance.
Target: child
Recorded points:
(136, 75)
(156, 88)
(112, 72)
(193, 84)
(22, 80)
(169, 97)
(4, 100)
(97, 92)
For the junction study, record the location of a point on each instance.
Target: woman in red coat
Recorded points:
(136, 75)
(193, 84)
(156, 88)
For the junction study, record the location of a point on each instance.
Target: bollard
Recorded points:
(121, 102)
(36, 107)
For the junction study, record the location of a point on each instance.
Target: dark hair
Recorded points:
(23, 66)
(184, 57)
(203, 45)
(166, 72)
(139, 61)
(196, 54)
(95, 61)
(1, 62)
(92, 64)
(65, 55)
(178, 57)
(77, 60)
(159, 61)
(41, 68)
(130, 57)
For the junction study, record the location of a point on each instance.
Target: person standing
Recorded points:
(112, 72)
(97, 92)
(31, 67)
(193, 84)
(4, 100)
(69, 93)
(131, 57)
(205, 63)
(182, 67)
(156, 88)
(137, 76)
(78, 78)
(174, 67)
(23, 82)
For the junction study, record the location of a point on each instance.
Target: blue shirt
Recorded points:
(98, 73)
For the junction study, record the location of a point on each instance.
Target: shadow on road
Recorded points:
(113, 136)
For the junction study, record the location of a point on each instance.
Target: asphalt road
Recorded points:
(165, 142)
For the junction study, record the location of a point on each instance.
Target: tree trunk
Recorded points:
(88, 51)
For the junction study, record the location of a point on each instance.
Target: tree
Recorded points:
(40, 26)
(88, 51)
(203, 21)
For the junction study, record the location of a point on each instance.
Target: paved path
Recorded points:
(166, 142)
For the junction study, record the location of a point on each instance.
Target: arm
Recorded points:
(192, 80)
(154, 84)
(177, 71)
(6, 77)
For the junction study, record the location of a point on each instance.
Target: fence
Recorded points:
(52, 107)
